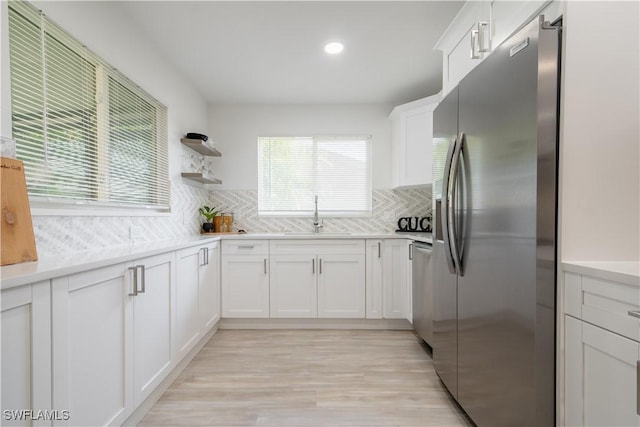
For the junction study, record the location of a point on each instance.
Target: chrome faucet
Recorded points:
(316, 221)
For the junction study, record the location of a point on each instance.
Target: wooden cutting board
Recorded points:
(16, 233)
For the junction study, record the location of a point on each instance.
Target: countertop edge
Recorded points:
(16, 275)
(627, 272)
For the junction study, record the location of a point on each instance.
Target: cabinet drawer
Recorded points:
(604, 303)
(318, 246)
(249, 247)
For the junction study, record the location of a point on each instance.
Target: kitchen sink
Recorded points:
(311, 233)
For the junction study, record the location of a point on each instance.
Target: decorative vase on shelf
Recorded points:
(207, 227)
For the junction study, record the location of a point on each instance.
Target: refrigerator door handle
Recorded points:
(445, 207)
(452, 201)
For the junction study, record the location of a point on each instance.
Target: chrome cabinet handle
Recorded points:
(265, 266)
(634, 313)
(474, 42)
(204, 262)
(143, 278)
(410, 251)
(135, 281)
(481, 40)
(207, 252)
(313, 266)
(379, 249)
(320, 266)
(245, 246)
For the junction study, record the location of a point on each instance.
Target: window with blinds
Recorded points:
(293, 170)
(86, 133)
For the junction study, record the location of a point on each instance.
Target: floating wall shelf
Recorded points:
(201, 147)
(200, 177)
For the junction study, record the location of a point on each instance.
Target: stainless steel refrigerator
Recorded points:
(494, 253)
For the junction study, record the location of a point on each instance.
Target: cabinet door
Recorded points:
(341, 286)
(92, 346)
(601, 376)
(209, 292)
(293, 291)
(374, 279)
(418, 133)
(188, 329)
(154, 348)
(397, 280)
(245, 286)
(26, 351)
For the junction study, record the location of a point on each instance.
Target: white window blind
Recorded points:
(293, 170)
(86, 133)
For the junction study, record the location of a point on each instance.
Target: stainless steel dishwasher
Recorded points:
(422, 291)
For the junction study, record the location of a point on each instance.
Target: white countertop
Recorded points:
(617, 271)
(48, 268)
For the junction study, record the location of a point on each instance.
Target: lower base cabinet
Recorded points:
(113, 338)
(388, 281)
(245, 278)
(92, 346)
(317, 278)
(601, 349)
(197, 294)
(601, 376)
(154, 325)
(25, 374)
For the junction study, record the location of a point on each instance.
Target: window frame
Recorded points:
(368, 213)
(99, 200)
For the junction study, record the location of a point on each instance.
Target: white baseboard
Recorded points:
(246, 323)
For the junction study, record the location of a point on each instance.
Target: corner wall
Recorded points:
(600, 137)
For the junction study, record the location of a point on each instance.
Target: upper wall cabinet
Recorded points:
(412, 131)
(480, 27)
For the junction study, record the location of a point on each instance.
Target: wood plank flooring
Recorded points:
(308, 378)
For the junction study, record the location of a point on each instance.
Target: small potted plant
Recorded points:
(209, 214)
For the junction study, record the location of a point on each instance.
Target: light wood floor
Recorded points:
(308, 378)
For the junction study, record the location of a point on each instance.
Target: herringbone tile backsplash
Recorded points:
(388, 206)
(64, 235)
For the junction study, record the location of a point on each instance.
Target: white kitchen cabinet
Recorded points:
(411, 140)
(477, 29)
(397, 303)
(341, 286)
(197, 294)
(209, 287)
(602, 350)
(374, 279)
(188, 331)
(26, 350)
(332, 269)
(245, 278)
(154, 331)
(601, 376)
(113, 335)
(92, 346)
(293, 286)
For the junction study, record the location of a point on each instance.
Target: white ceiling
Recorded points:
(269, 52)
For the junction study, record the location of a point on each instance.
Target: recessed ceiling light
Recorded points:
(333, 48)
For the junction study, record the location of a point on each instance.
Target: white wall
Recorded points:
(600, 159)
(106, 30)
(236, 128)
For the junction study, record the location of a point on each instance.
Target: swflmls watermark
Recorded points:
(36, 415)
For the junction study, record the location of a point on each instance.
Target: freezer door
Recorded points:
(497, 337)
(445, 323)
